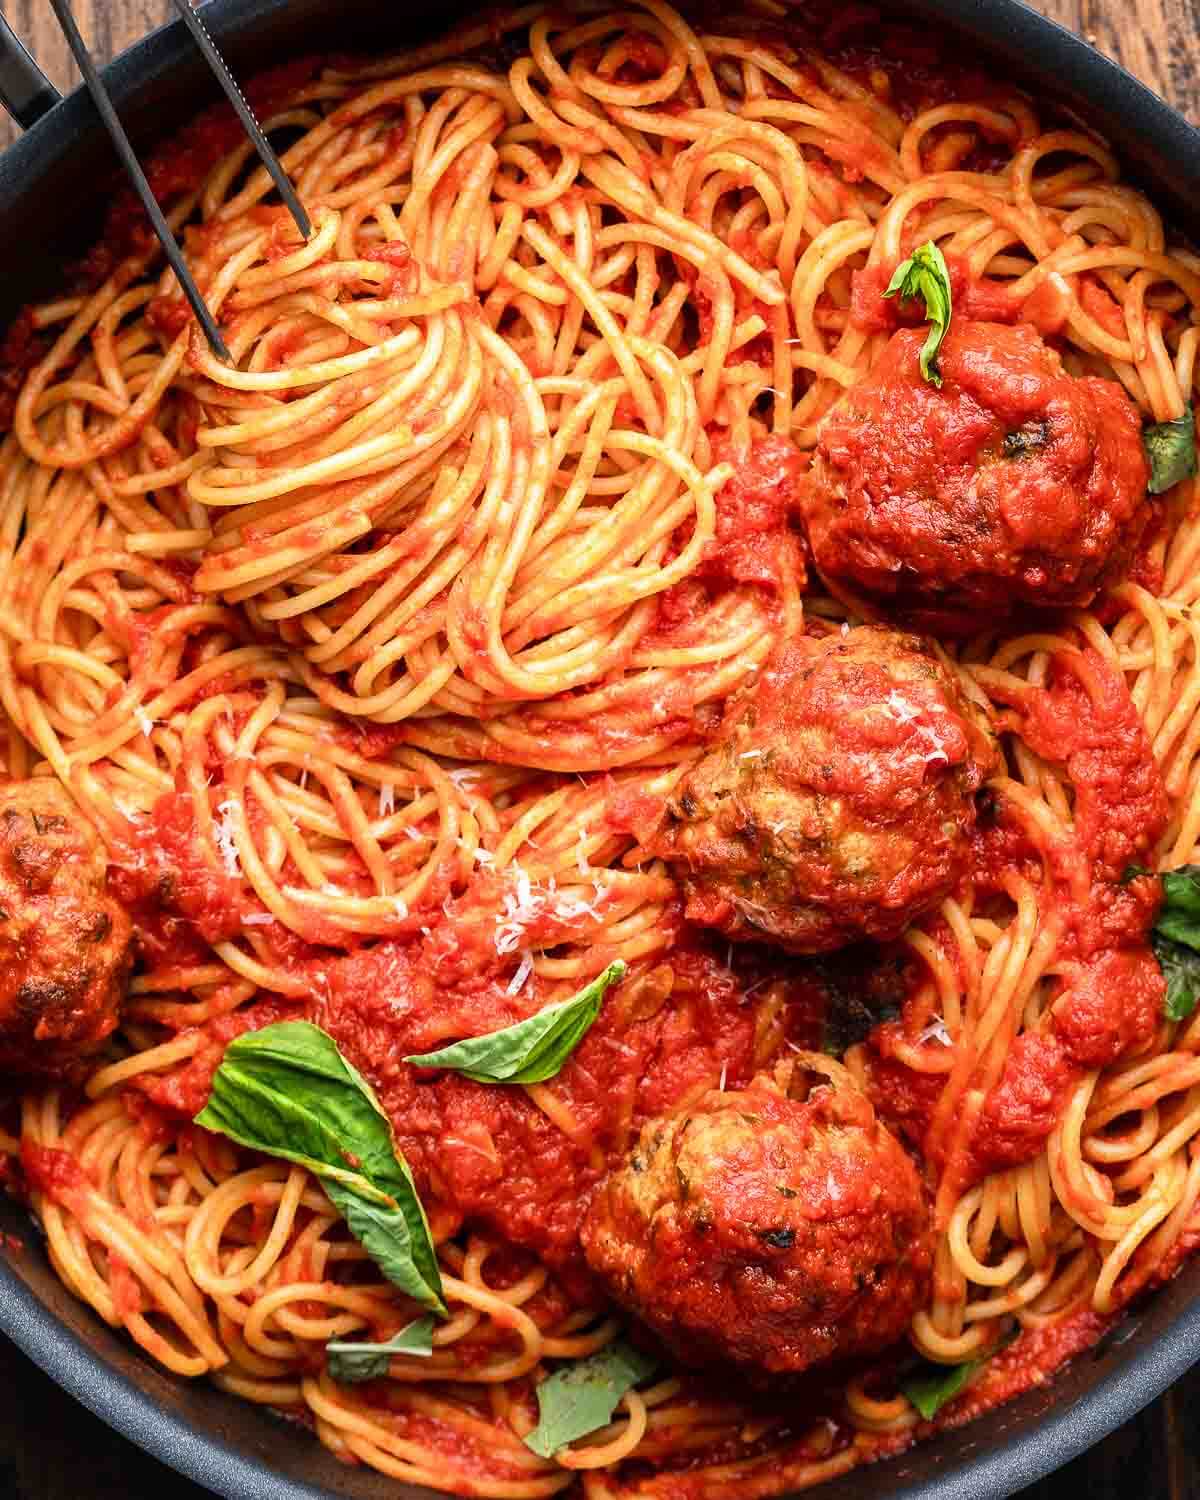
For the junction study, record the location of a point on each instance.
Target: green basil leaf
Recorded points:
(1180, 965)
(531, 1050)
(287, 1091)
(350, 1363)
(1179, 918)
(926, 275)
(1171, 449)
(931, 1386)
(1175, 937)
(582, 1397)
(849, 1020)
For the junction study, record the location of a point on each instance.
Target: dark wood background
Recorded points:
(52, 1449)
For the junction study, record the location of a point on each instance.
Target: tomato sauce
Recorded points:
(182, 901)
(655, 1041)
(1024, 1106)
(184, 1090)
(1109, 999)
(632, 810)
(55, 1173)
(754, 543)
(20, 350)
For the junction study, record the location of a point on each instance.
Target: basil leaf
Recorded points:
(1179, 918)
(1175, 937)
(531, 1050)
(582, 1397)
(1171, 449)
(925, 274)
(850, 1020)
(287, 1091)
(350, 1363)
(1180, 965)
(931, 1386)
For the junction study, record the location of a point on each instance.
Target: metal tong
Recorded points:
(266, 154)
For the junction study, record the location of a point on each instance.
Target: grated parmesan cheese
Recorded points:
(258, 919)
(901, 709)
(571, 908)
(226, 838)
(524, 969)
(936, 1032)
(927, 732)
(145, 722)
(401, 906)
(525, 905)
(387, 800)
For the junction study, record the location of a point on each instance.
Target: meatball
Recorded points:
(65, 944)
(764, 1230)
(1013, 483)
(838, 801)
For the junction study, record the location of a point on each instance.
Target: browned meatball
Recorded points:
(65, 944)
(1011, 483)
(838, 801)
(767, 1231)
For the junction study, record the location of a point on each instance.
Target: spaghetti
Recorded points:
(374, 656)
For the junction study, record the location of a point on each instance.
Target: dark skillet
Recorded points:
(50, 203)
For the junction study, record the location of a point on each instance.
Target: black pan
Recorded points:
(52, 186)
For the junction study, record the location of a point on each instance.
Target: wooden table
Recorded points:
(51, 1448)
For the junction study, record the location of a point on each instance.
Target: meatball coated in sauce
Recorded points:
(1013, 483)
(766, 1231)
(65, 944)
(838, 802)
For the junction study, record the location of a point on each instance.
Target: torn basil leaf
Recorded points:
(532, 1050)
(288, 1091)
(350, 1363)
(1181, 970)
(1175, 936)
(1179, 917)
(1171, 449)
(582, 1397)
(931, 1386)
(925, 274)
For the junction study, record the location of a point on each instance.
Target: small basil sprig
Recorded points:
(1175, 937)
(925, 274)
(287, 1091)
(582, 1397)
(931, 1386)
(1171, 449)
(350, 1363)
(531, 1050)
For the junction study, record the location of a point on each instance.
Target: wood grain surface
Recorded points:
(52, 1449)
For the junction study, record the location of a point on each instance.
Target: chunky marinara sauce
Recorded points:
(1109, 994)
